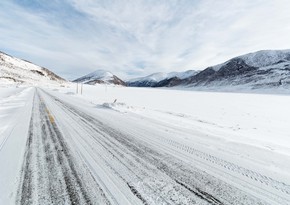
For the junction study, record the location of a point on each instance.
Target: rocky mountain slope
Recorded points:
(17, 71)
(100, 77)
(263, 69)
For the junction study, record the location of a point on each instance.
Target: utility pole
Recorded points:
(81, 89)
(77, 88)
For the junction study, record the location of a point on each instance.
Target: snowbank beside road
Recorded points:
(15, 112)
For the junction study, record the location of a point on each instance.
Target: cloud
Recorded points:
(137, 37)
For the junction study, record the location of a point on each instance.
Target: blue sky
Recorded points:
(133, 38)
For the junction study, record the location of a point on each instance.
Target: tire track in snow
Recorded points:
(118, 154)
(50, 173)
(26, 192)
(280, 186)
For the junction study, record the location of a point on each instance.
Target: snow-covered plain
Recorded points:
(241, 139)
(255, 119)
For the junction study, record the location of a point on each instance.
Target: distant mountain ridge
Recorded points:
(258, 70)
(153, 80)
(262, 69)
(100, 77)
(156, 79)
(18, 71)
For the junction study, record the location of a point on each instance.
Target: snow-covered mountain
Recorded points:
(262, 69)
(155, 79)
(100, 77)
(259, 70)
(17, 71)
(261, 58)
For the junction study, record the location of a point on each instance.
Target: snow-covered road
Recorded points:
(50, 174)
(79, 154)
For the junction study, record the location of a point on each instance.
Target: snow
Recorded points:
(117, 106)
(251, 130)
(15, 71)
(19, 63)
(266, 57)
(244, 132)
(8, 91)
(15, 112)
(232, 117)
(256, 120)
(7, 107)
(236, 113)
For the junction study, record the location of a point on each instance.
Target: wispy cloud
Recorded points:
(138, 37)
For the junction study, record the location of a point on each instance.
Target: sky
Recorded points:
(133, 38)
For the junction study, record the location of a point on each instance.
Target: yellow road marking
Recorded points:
(51, 119)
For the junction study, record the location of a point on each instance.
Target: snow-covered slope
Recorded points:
(17, 71)
(154, 79)
(100, 77)
(260, 70)
(261, 58)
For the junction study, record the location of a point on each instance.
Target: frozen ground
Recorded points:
(118, 145)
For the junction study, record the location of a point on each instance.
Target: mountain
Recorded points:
(262, 69)
(159, 79)
(100, 77)
(17, 71)
(259, 70)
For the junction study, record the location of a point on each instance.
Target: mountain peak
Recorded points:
(100, 77)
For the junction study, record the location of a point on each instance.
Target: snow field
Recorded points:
(244, 124)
